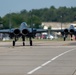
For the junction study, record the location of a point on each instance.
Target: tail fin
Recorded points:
(71, 27)
(23, 25)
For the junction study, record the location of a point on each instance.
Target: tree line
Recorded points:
(35, 17)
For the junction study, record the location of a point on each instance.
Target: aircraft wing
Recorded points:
(6, 30)
(41, 30)
(56, 30)
(46, 30)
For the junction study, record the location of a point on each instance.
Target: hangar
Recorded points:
(56, 25)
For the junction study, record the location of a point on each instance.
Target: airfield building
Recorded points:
(55, 26)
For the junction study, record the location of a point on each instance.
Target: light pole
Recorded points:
(61, 21)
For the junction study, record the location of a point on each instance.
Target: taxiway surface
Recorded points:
(43, 58)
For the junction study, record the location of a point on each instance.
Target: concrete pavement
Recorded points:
(43, 58)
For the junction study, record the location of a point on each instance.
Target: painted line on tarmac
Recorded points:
(44, 64)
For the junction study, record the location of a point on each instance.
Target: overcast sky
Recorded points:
(7, 6)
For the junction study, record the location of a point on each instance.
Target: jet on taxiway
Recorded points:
(23, 31)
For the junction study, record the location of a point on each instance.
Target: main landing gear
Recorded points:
(71, 38)
(30, 39)
(14, 41)
(65, 37)
(23, 39)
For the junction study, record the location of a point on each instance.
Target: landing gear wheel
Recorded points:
(23, 44)
(64, 38)
(13, 43)
(30, 42)
(71, 39)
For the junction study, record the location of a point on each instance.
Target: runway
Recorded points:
(43, 58)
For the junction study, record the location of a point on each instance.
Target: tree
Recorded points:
(37, 16)
(1, 23)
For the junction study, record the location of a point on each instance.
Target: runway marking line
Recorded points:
(44, 64)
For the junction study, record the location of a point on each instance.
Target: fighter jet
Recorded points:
(68, 31)
(23, 31)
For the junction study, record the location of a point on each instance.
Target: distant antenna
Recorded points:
(61, 21)
(31, 21)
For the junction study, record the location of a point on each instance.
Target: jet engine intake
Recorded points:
(71, 31)
(16, 32)
(25, 32)
(66, 31)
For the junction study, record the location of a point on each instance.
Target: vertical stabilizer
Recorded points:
(23, 25)
(71, 27)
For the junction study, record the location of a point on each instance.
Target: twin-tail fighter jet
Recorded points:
(23, 31)
(67, 31)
